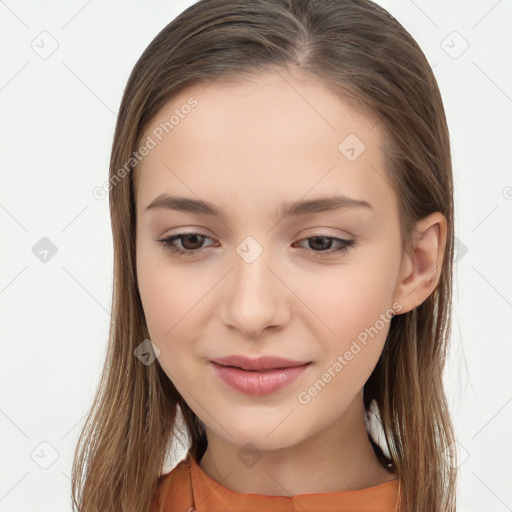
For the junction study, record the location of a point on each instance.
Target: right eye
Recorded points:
(192, 240)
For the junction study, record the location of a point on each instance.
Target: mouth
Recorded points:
(258, 382)
(267, 370)
(262, 364)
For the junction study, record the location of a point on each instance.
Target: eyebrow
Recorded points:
(288, 209)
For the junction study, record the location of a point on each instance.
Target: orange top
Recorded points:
(187, 488)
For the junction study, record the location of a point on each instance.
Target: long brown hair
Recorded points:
(363, 53)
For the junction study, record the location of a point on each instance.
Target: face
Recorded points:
(317, 285)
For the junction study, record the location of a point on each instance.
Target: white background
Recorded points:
(57, 122)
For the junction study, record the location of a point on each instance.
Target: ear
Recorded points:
(421, 270)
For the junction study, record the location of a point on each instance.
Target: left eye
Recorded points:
(193, 242)
(323, 240)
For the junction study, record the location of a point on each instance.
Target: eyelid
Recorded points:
(345, 244)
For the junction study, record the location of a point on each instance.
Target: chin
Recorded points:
(261, 436)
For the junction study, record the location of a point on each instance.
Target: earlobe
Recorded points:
(421, 269)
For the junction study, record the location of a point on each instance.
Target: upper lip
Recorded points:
(260, 363)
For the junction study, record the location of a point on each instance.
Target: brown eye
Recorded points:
(321, 244)
(191, 243)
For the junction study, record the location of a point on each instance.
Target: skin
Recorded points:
(248, 147)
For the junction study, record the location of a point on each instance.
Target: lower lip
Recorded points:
(258, 383)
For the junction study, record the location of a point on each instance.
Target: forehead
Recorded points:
(275, 136)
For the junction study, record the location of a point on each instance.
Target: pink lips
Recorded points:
(260, 376)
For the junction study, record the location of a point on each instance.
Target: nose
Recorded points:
(256, 296)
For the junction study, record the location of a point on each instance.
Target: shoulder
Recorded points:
(174, 488)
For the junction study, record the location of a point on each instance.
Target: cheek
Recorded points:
(171, 300)
(351, 320)
(348, 300)
(165, 315)
(166, 292)
(349, 354)
(159, 301)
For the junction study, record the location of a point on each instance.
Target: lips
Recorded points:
(261, 381)
(260, 364)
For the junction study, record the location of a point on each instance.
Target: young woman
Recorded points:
(282, 212)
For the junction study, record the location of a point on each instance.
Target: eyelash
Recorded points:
(168, 244)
